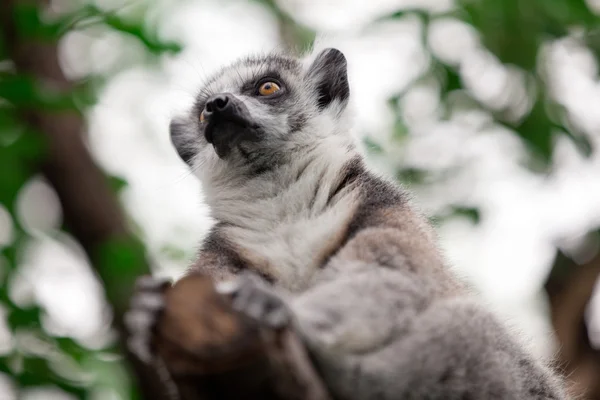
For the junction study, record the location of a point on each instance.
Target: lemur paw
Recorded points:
(252, 296)
(145, 308)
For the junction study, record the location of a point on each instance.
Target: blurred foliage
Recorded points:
(513, 30)
(293, 34)
(35, 358)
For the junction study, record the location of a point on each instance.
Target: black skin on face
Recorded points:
(229, 123)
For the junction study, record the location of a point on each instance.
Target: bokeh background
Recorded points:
(487, 110)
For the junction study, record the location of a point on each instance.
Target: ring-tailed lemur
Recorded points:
(339, 251)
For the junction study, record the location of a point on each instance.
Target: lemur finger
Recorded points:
(139, 322)
(278, 318)
(148, 301)
(256, 306)
(140, 348)
(150, 283)
(241, 297)
(144, 309)
(232, 287)
(228, 288)
(256, 300)
(249, 278)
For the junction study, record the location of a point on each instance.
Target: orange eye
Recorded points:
(202, 116)
(268, 88)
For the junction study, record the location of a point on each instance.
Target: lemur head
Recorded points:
(257, 113)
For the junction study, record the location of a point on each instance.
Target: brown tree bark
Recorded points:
(570, 289)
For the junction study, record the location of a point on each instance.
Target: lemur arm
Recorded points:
(384, 324)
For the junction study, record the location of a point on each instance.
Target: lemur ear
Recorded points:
(329, 74)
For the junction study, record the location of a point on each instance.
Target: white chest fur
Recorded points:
(285, 226)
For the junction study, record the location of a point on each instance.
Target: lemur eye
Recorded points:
(268, 88)
(202, 116)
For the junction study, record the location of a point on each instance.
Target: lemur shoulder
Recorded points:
(353, 265)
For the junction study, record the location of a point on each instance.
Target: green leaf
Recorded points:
(514, 29)
(412, 176)
(415, 11)
(468, 212)
(71, 348)
(511, 29)
(29, 22)
(85, 92)
(450, 79)
(28, 317)
(12, 177)
(372, 146)
(109, 372)
(394, 102)
(26, 92)
(400, 130)
(120, 262)
(569, 13)
(292, 32)
(29, 147)
(458, 101)
(116, 183)
(10, 127)
(581, 142)
(30, 371)
(174, 252)
(591, 39)
(18, 153)
(136, 29)
(537, 132)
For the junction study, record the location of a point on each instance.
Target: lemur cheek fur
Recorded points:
(183, 140)
(340, 246)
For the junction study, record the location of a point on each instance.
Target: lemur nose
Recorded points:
(217, 103)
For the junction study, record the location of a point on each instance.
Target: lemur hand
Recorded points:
(252, 296)
(141, 320)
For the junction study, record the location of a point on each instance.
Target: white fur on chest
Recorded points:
(285, 226)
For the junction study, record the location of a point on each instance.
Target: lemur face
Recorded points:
(258, 111)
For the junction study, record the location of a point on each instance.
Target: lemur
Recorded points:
(306, 234)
